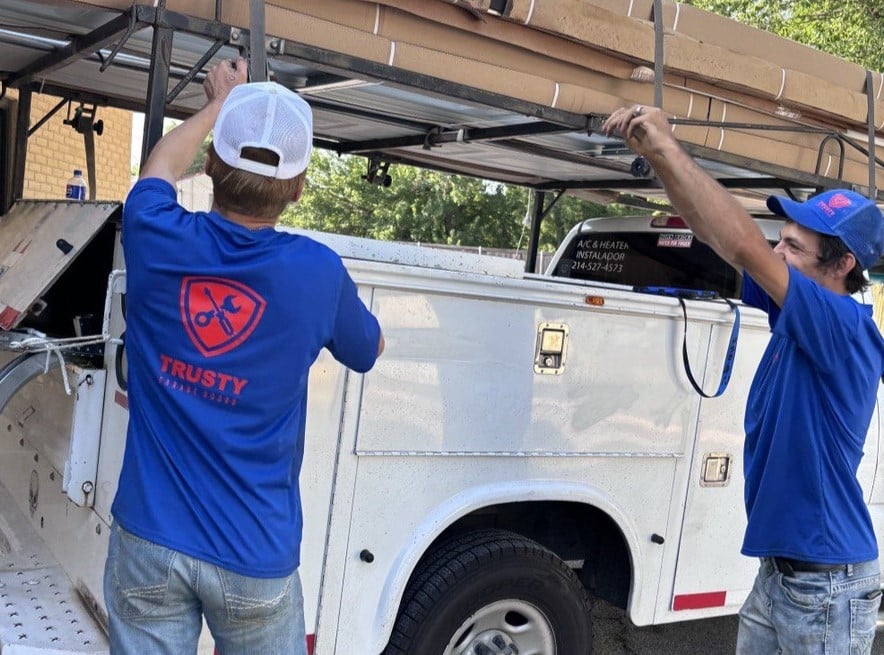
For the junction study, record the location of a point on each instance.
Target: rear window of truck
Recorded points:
(665, 259)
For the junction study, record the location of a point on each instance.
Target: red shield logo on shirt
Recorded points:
(218, 314)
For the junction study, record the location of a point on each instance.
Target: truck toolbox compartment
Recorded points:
(39, 240)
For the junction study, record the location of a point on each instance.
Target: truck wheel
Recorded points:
(492, 592)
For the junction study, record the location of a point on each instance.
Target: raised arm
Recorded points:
(712, 212)
(174, 153)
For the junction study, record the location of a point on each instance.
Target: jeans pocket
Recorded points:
(863, 620)
(255, 600)
(140, 575)
(806, 591)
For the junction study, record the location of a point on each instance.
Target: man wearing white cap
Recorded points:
(817, 591)
(225, 315)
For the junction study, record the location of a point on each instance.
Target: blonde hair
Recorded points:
(247, 193)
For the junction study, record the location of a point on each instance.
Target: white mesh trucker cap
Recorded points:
(265, 115)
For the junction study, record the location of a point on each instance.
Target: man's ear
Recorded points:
(299, 187)
(845, 265)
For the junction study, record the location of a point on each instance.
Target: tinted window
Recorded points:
(666, 259)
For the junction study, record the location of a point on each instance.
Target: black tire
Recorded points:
(495, 588)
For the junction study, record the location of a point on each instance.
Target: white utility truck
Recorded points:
(527, 441)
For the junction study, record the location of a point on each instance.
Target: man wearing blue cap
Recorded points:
(810, 404)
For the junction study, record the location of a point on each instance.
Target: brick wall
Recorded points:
(56, 149)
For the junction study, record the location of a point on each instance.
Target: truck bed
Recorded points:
(42, 610)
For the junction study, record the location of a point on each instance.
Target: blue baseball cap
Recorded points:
(853, 218)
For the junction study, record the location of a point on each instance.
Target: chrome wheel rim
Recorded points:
(505, 627)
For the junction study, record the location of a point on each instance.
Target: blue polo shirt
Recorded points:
(222, 326)
(807, 417)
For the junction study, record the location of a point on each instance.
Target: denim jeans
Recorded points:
(156, 599)
(811, 613)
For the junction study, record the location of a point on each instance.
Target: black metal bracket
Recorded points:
(117, 31)
(194, 71)
(78, 48)
(659, 35)
(157, 83)
(22, 120)
(436, 136)
(377, 172)
(641, 167)
(133, 24)
(552, 203)
(539, 211)
(49, 114)
(257, 47)
(870, 99)
(83, 121)
(819, 155)
(430, 139)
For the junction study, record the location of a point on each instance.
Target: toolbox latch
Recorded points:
(716, 470)
(551, 348)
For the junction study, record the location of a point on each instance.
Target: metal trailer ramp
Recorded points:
(41, 612)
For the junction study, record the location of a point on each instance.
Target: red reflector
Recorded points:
(669, 221)
(698, 601)
(8, 316)
(121, 399)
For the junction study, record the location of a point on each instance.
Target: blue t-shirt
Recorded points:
(807, 416)
(222, 326)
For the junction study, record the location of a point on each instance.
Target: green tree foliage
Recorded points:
(199, 162)
(424, 206)
(852, 29)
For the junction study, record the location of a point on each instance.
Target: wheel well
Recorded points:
(583, 536)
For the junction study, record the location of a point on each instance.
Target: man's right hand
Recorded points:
(222, 77)
(714, 215)
(177, 149)
(646, 130)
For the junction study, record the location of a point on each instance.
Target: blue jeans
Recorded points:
(156, 599)
(811, 613)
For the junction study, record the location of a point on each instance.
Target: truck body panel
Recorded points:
(455, 422)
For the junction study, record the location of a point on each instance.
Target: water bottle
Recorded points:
(76, 187)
